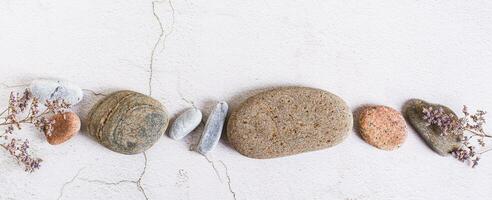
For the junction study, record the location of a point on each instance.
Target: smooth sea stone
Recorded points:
(382, 127)
(288, 121)
(46, 89)
(213, 128)
(65, 126)
(443, 145)
(185, 123)
(127, 122)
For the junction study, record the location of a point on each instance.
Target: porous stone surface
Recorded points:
(382, 127)
(185, 123)
(47, 89)
(288, 121)
(65, 126)
(127, 122)
(441, 144)
(213, 128)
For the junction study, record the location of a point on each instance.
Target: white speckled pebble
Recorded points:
(46, 89)
(213, 128)
(185, 123)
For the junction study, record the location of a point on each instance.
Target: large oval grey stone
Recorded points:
(127, 122)
(432, 135)
(288, 121)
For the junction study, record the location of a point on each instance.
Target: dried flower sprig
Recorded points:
(19, 149)
(467, 127)
(440, 119)
(25, 109)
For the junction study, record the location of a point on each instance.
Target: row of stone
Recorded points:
(294, 120)
(288, 121)
(126, 122)
(129, 122)
(385, 128)
(275, 123)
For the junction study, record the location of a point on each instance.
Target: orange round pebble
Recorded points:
(65, 127)
(382, 127)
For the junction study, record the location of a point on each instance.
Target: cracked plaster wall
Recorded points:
(184, 52)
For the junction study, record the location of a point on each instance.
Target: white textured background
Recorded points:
(366, 51)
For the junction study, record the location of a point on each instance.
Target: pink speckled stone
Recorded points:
(382, 127)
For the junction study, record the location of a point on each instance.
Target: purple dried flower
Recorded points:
(440, 119)
(467, 127)
(44, 125)
(24, 100)
(467, 154)
(19, 149)
(24, 109)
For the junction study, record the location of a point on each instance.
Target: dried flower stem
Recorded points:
(20, 152)
(17, 106)
(467, 127)
(27, 120)
(486, 151)
(475, 133)
(4, 112)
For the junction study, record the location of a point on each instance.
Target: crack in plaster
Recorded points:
(94, 92)
(107, 183)
(162, 38)
(180, 93)
(13, 86)
(171, 29)
(62, 189)
(137, 182)
(212, 163)
(228, 180)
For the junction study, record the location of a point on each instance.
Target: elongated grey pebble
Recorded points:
(185, 123)
(47, 89)
(213, 128)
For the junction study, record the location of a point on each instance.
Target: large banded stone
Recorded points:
(127, 122)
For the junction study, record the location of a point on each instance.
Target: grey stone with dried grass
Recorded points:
(442, 144)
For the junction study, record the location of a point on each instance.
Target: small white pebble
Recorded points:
(46, 89)
(185, 123)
